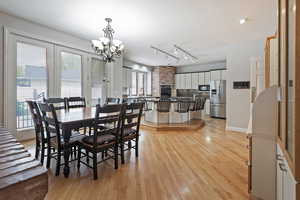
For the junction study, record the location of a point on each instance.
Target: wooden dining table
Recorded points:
(70, 119)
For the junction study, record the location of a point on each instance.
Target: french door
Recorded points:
(28, 74)
(71, 72)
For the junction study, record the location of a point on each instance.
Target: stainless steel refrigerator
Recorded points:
(218, 99)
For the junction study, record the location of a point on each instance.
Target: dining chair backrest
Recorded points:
(163, 106)
(183, 106)
(75, 102)
(132, 117)
(111, 100)
(51, 122)
(37, 121)
(58, 103)
(109, 116)
(199, 103)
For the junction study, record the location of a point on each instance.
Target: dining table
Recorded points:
(73, 119)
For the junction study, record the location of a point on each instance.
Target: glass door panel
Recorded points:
(70, 77)
(97, 86)
(31, 80)
(290, 77)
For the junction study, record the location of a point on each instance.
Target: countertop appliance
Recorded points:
(203, 88)
(218, 99)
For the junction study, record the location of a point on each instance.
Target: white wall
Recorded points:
(202, 67)
(238, 69)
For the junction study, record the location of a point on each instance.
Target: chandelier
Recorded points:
(107, 46)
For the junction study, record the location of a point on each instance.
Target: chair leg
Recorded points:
(48, 156)
(95, 166)
(43, 153)
(58, 162)
(79, 157)
(37, 151)
(87, 157)
(137, 146)
(116, 156)
(122, 153)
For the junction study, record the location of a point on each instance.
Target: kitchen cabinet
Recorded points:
(215, 75)
(177, 81)
(206, 78)
(223, 74)
(201, 78)
(195, 81)
(207, 107)
(129, 78)
(188, 81)
(285, 184)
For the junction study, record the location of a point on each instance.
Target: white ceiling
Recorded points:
(198, 26)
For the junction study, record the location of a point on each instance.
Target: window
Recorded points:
(31, 79)
(70, 75)
(141, 83)
(149, 83)
(97, 75)
(134, 84)
(141, 89)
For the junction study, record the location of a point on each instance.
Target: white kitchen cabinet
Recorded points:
(215, 75)
(206, 78)
(188, 81)
(223, 74)
(285, 182)
(195, 80)
(177, 81)
(201, 78)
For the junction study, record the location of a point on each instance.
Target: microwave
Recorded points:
(204, 88)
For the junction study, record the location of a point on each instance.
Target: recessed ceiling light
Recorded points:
(243, 20)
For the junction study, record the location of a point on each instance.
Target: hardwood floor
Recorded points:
(208, 164)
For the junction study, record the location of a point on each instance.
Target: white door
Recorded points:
(71, 79)
(97, 85)
(279, 182)
(29, 74)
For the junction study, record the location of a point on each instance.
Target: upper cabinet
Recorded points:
(206, 78)
(201, 78)
(193, 80)
(215, 75)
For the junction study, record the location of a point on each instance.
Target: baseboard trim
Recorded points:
(236, 129)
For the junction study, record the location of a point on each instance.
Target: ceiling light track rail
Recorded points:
(185, 52)
(164, 52)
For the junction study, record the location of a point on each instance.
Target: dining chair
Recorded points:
(57, 142)
(111, 100)
(40, 136)
(58, 103)
(131, 121)
(75, 102)
(182, 108)
(105, 137)
(163, 107)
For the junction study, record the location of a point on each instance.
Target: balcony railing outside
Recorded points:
(24, 119)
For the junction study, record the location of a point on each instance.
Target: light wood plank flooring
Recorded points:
(208, 164)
